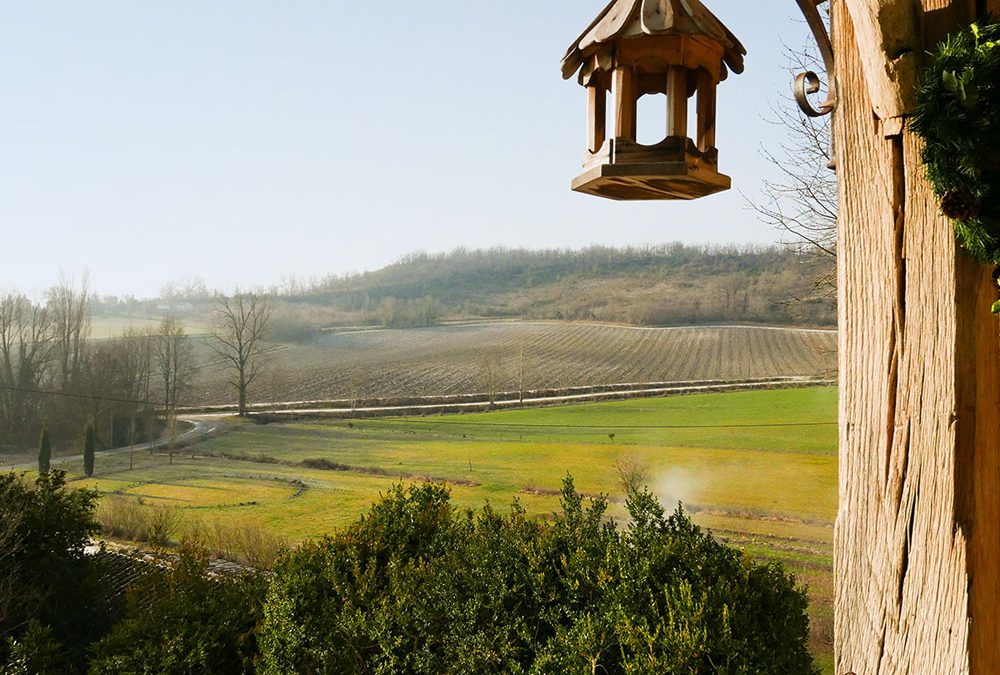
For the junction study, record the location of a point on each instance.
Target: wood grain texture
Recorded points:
(978, 478)
(917, 543)
(888, 34)
(978, 475)
(677, 101)
(625, 103)
(597, 118)
(706, 111)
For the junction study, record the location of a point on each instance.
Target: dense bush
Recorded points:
(184, 621)
(49, 588)
(417, 586)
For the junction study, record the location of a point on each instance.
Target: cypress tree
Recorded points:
(44, 452)
(88, 450)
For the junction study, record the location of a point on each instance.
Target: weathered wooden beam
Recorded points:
(977, 478)
(889, 39)
(917, 540)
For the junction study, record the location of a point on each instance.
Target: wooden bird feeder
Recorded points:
(640, 47)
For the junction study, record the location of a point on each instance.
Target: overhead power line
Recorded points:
(77, 395)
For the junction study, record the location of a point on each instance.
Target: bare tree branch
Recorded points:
(802, 200)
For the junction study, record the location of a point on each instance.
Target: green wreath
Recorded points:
(958, 116)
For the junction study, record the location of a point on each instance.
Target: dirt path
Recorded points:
(201, 426)
(212, 421)
(507, 400)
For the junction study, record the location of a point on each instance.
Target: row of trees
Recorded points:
(53, 376)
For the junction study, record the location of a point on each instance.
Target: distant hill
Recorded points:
(665, 285)
(662, 285)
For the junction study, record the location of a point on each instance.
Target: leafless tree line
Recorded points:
(52, 375)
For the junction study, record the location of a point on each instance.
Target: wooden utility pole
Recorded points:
(917, 544)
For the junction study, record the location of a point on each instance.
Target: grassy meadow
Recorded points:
(757, 468)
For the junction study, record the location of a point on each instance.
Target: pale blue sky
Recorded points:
(243, 140)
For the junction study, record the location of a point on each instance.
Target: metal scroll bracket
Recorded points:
(808, 83)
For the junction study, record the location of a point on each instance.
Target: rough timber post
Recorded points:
(917, 544)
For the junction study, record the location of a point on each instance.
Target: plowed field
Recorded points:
(503, 356)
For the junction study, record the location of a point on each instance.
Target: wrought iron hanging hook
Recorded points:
(808, 82)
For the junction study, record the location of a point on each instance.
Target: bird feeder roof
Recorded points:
(634, 18)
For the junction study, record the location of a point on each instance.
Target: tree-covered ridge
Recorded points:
(672, 283)
(661, 285)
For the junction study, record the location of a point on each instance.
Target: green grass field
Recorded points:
(757, 468)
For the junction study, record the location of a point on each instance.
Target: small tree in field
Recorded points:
(172, 360)
(44, 452)
(88, 449)
(491, 375)
(633, 472)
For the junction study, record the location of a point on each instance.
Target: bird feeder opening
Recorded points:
(639, 47)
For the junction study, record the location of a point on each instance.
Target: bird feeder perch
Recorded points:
(640, 47)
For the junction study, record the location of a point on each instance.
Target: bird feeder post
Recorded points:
(677, 102)
(706, 111)
(917, 538)
(625, 104)
(597, 104)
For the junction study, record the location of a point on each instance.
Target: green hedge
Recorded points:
(417, 586)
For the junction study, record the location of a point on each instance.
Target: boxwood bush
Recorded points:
(418, 586)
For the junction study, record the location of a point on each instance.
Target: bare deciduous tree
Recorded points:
(26, 348)
(802, 200)
(633, 472)
(136, 366)
(523, 368)
(491, 375)
(240, 325)
(173, 354)
(69, 308)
